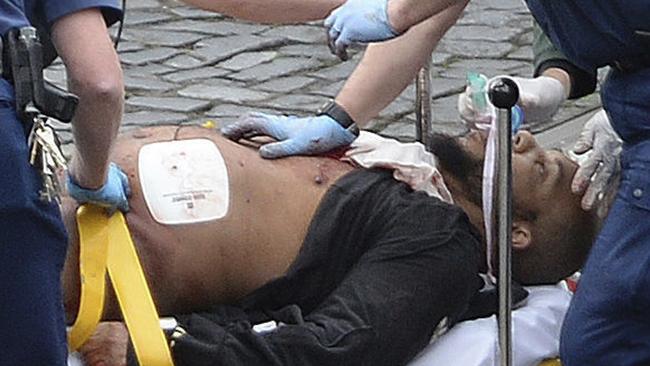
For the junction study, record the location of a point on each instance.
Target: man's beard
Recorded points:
(454, 160)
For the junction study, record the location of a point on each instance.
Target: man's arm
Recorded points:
(403, 14)
(95, 75)
(388, 68)
(384, 72)
(272, 11)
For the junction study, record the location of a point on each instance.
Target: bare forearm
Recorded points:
(271, 11)
(388, 68)
(403, 14)
(94, 74)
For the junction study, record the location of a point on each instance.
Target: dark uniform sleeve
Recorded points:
(12, 15)
(382, 313)
(546, 55)
(43, 13)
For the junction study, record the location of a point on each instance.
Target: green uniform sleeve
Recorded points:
(546, 55)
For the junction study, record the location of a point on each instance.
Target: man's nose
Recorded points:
(523, 142)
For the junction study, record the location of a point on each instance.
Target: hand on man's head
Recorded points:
(597, 152)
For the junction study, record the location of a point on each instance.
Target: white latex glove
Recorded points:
(540, 98)
(602, 147)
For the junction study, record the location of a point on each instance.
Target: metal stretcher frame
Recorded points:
(503, 95)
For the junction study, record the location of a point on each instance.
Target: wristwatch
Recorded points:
(337, 113)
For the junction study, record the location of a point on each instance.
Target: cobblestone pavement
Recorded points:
(183, 65)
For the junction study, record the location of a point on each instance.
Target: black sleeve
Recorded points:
(382, 313)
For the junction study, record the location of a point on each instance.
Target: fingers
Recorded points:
(280, 149)
(584, 173)
(586, 139)
(251, 123)
(336, 42)
(341, 48)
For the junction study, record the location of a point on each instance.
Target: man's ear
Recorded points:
(522, 236)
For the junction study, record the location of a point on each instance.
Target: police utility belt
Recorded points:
(36, 102)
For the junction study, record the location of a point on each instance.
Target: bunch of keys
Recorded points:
(46, 156)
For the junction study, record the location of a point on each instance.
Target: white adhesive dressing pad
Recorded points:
(184, 181)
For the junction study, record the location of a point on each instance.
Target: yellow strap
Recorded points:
(551, 362)
(93, 249)
(106, 243)
(133, 294)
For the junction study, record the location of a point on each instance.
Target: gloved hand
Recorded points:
(540, 98)
(112, 195)
(296, 136)
(601, 146)
(358, 21)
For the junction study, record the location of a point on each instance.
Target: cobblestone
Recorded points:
(184, 65)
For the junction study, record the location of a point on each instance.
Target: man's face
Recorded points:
(541, 178)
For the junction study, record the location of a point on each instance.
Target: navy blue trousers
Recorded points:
(32, 251)
(608, 322)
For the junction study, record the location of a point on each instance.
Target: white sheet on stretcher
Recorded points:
(536, 334)
(536, 330)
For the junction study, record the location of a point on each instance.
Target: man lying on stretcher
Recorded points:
(353, 266)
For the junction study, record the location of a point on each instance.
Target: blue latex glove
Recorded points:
(112, 195)
(358, 21)
(296, 136)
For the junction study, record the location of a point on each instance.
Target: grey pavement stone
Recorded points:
(441, 87)
(524, 53)
(223, 93)
(149, 55)
(402, 130)
(299, 33)
(440, 58)
(147, 84)
(475, 49)
(234, 110)
(183, 61)
(444, 110)
(193, 25)
(247, 59)
(320, 52)
(397, 108)
(196, 13)
(220, 48)
(239, 28)
(513, 5)
(326, 89)
(158, 38)
(285, 84)
(151, 69)
(175, 104)
(296, 102)
(483, 33)
(150, 118)
(142, 4)
(203, 73)
(338, 71)
(493, 18)
(489, 67)
(276, 68)
(144, 16)
(129, 46)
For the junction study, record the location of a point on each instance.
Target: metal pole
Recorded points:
(423, 103)
(504, 94)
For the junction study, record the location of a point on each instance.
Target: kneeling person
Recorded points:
(350, 265)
